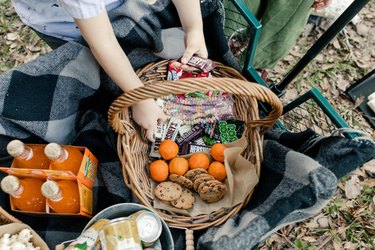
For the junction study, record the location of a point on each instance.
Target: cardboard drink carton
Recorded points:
(85, 179)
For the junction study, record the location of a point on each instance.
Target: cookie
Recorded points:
(202, 178)
(194, 172)
(185, 201)
(212, 191)
(168, 191)
(181, 180)
(212, 181)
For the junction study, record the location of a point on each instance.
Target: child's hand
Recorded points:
(320, 4)
(147, 114)
(195, 45)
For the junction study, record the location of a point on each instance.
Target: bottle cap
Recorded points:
(50, 189)
(15, 148)
(52, 150)
(10, 184)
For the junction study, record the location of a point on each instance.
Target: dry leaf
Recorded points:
(369, 167)
(352, 187)
(11, 36)
(358, 101)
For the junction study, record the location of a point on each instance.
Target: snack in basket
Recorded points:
(199, 179)
(212, 191)
(168, 149)
(217, 152)
(199, 160)
(181, 180)
(159, 170)
(223, 131)
(206, 65)
(194, 172)
(217, 170)
(185, 201)
(168, 191)
(178, 165)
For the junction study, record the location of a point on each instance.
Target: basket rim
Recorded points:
(129, 139)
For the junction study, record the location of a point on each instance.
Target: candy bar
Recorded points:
(224, 131)
(184, 148)
(205, 65)
(194, 148)
(172, 129)
(159, 137)
(184, 129)
(199, 141)
(191, 135)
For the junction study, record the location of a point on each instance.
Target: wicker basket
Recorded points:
(6, 218)
(133, 148)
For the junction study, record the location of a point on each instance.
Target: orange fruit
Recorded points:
(217, 170)
(178, 166)
(199, 160)
(217, 152)
(159, 170)
(168, 149)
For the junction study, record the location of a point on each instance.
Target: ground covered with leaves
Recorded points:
(348, 221)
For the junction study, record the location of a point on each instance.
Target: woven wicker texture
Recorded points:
(133, 148)
(6, 218)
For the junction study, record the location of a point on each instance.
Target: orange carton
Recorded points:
(85, 180)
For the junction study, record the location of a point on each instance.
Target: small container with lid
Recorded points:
(149, 226)
(120, 233)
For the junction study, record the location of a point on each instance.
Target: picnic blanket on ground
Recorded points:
(63, 96)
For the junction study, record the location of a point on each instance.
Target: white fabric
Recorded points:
(55, 17)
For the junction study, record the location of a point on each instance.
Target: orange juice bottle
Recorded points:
(62, 196)
(28, 156)
(64, 158)
(25, 193)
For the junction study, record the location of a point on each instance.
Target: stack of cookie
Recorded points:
(175, 195)
(178, 192)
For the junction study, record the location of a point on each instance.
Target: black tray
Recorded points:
(364, 87)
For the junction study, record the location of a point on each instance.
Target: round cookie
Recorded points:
(200, 179)
(209, 182)
(194, 172)
(185, 201)
(168, 191)
(212, 191)
(181, 180)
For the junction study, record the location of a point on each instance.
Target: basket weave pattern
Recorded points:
(6, 218)
(133, 148)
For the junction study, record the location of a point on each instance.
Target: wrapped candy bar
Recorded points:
(223, 131)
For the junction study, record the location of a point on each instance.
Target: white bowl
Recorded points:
(126, 209)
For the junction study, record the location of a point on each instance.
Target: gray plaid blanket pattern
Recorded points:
(63, 96)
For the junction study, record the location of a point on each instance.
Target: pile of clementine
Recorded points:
(168, 150)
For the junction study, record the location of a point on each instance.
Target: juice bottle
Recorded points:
(62, 196)
(24, 193)
(64, 158)
(28, 156)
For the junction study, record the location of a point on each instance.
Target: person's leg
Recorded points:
(53, 42)
(282, 23)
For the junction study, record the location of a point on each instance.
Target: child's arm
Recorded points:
(99, 34)
(190, 15)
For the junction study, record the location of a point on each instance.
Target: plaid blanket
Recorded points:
(63, 96)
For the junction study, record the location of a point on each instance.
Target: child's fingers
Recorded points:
(150, 134)
(163, 118)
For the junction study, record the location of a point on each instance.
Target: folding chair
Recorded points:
(310, 110)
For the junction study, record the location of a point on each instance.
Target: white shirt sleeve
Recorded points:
(83, 9)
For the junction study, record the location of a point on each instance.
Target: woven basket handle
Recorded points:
(186, 85)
